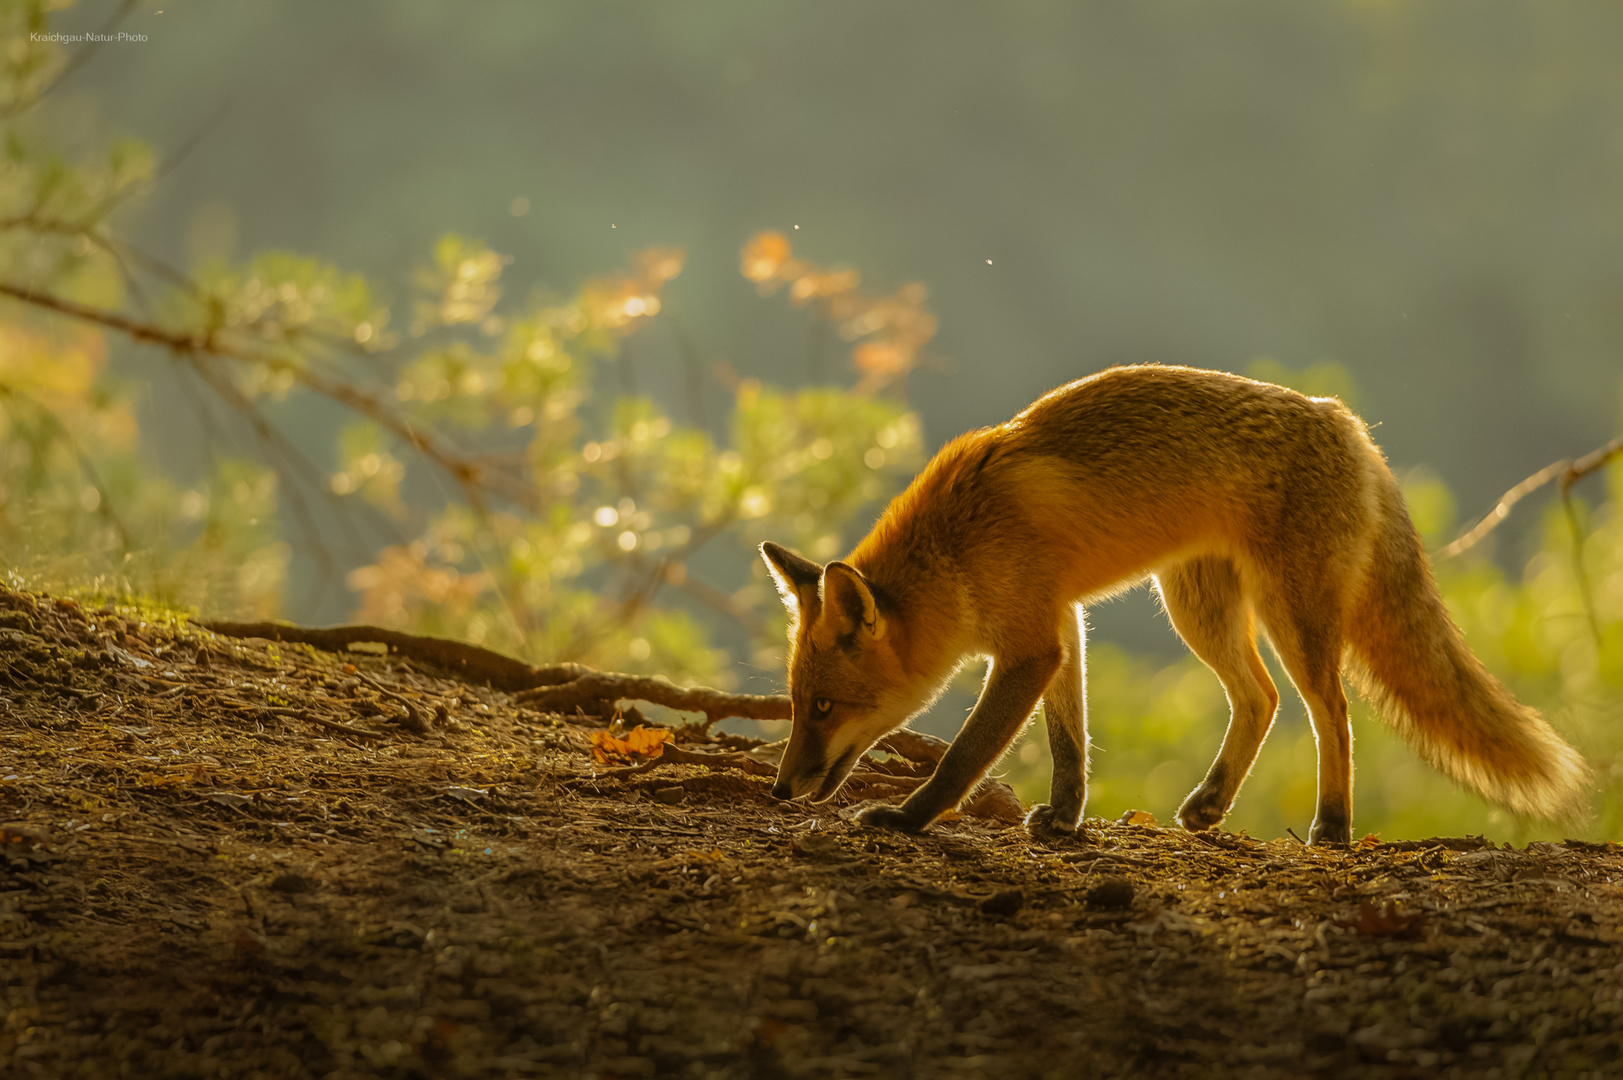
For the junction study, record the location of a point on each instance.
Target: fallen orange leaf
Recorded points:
(639, 742)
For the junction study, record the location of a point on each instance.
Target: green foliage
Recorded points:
(606, 514)
(286, 303)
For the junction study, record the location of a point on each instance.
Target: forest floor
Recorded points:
(233, 858)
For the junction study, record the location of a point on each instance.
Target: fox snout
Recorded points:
(820, 782)
(792, 785)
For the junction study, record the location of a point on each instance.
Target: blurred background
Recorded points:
(524, 322)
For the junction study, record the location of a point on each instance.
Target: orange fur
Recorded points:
(1247, 503)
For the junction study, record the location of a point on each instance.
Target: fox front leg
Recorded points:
(1065, 711)
(1011, 692)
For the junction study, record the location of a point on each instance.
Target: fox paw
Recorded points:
(882, 816)
(1330, 827)
(1204, 809)
(1044, 820)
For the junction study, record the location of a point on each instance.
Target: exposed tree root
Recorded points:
(469, 661)
(554, 687)
(591, 689)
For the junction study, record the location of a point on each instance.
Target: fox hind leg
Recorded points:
(1206, 602)
(1066, 712)
(1306, 632)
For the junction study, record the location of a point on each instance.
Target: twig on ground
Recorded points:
(321, 721)
(415, 719)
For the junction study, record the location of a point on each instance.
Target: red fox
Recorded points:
(1248, 504)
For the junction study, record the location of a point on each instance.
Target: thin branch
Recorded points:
(1568, 471)
(654, 575)
(672, 754)
(190, 143)
(158, 266)
(722, 602)
(292, 459)
(469, 473)
(693, 363)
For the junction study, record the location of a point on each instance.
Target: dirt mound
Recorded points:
(248, 859)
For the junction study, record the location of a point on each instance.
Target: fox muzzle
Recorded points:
(821, 784)
(792, 787)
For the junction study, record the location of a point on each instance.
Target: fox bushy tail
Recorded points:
(1408, 659)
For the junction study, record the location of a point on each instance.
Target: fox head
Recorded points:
(847, 684)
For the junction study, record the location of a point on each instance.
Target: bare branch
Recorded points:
(721, 601)
(293, 460)
(469, 473)
(1568, 471)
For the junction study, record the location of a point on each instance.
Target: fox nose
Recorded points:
(781, 790)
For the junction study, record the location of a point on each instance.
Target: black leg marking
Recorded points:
(1330, 826)
(1045, 819)
(1206, 805)
(885, 816)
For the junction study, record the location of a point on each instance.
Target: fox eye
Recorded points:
(821, 708)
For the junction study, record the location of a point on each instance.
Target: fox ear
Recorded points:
(848, 605)
(796, 578)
